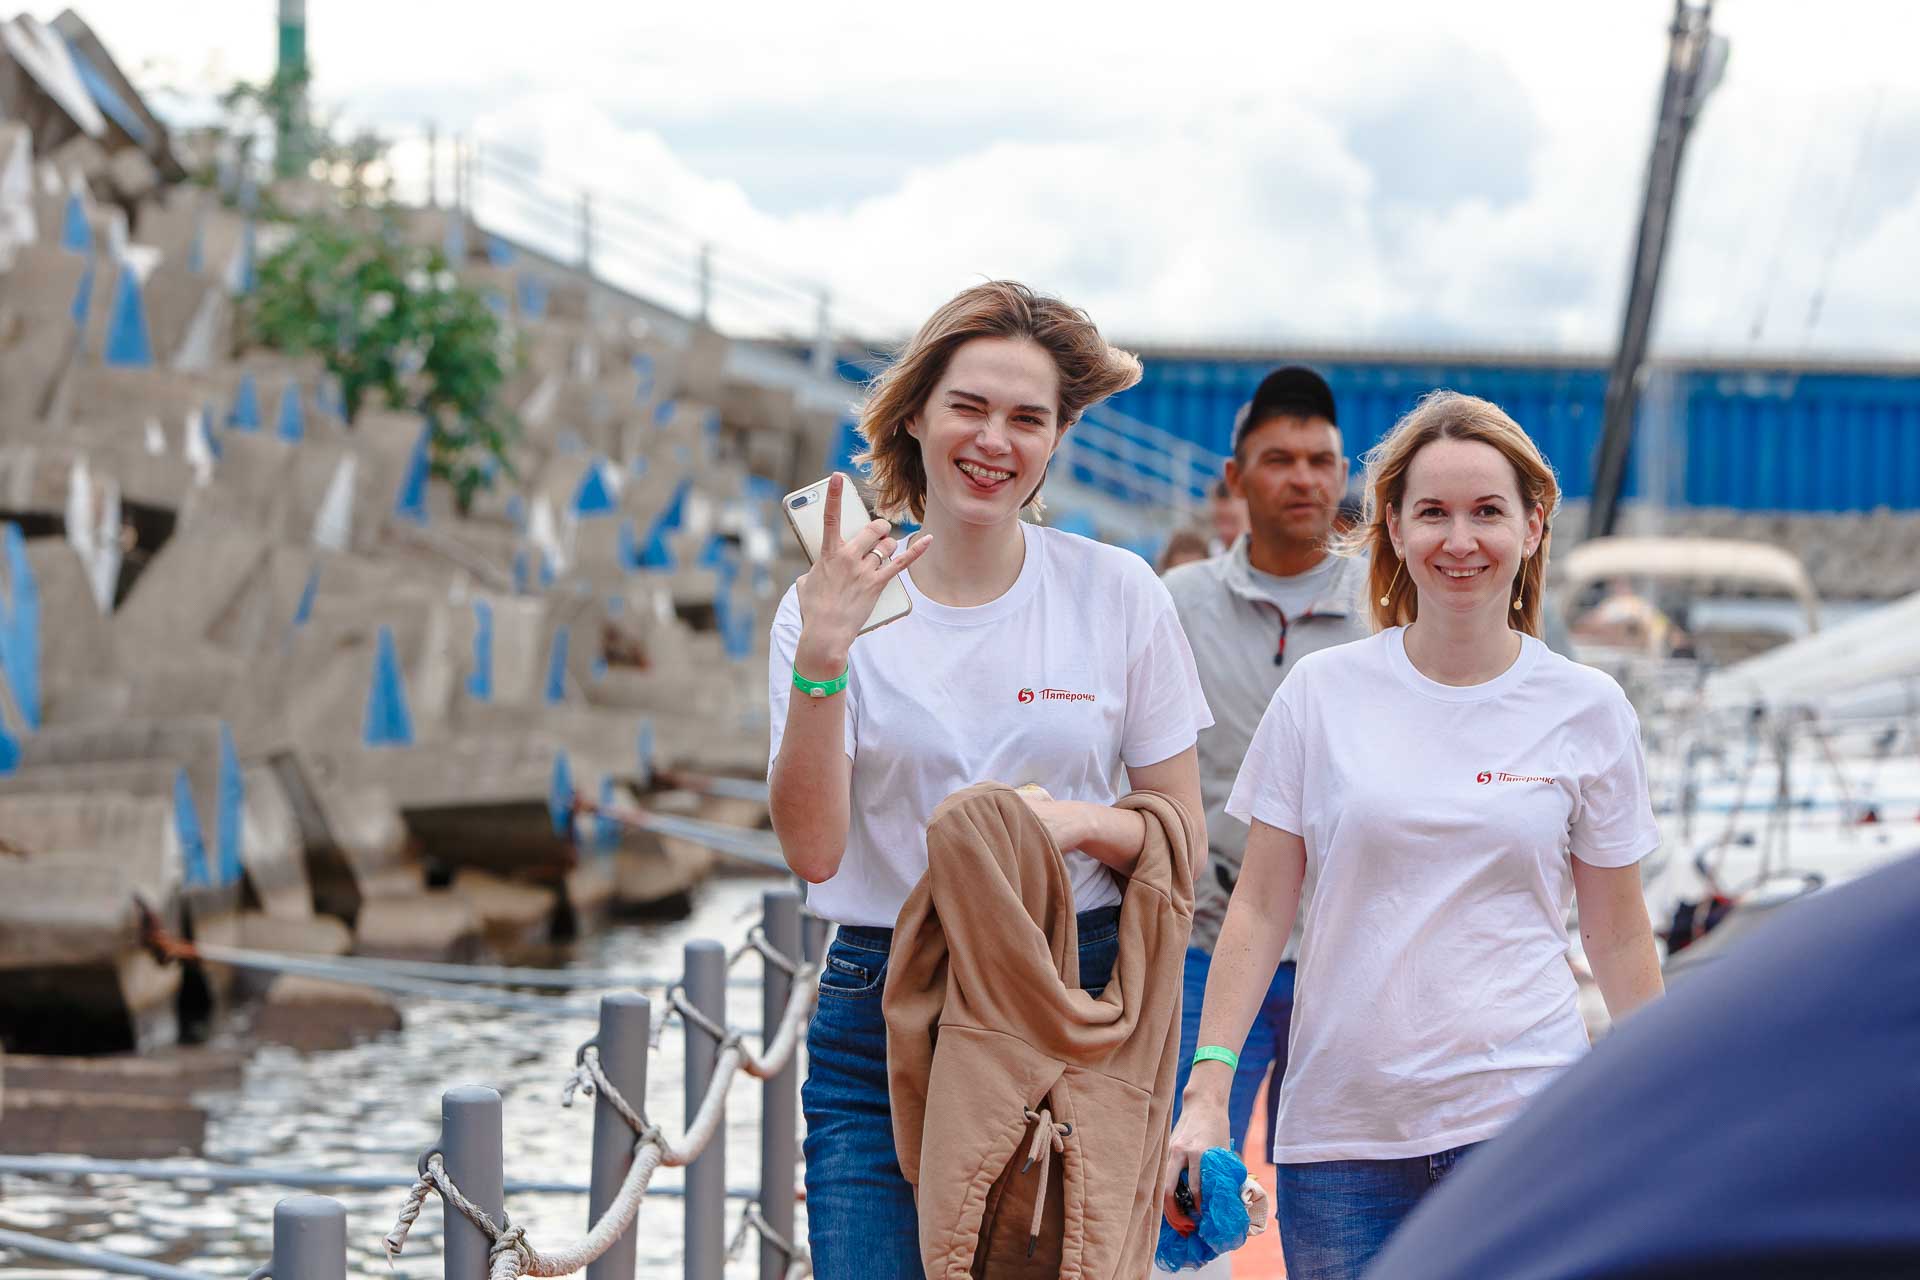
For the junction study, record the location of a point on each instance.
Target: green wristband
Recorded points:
(820, 688)
(1216, 1053)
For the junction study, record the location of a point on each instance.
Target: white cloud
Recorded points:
(1400, 172)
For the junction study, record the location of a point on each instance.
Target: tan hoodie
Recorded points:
(1009, 1084)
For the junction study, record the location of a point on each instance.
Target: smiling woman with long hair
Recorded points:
(1432, 800)
(960, 430)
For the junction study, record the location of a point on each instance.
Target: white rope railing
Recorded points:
(511, 1255)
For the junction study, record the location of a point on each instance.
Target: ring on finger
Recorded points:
(879, 556)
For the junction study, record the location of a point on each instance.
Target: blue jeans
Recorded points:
(1266, 1046)
(860, 1218)
(1335, 1215)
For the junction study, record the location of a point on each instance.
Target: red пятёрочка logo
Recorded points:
(1055, 695)
(1485, 776)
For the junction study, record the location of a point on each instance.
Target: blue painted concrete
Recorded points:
(480, 679)
(186, 825)
(228, 806)
(410, 503)
(129, 344)
(245, 414)
(557, 667)
(560, 797)
(388, 721)
(292, 418)
(593, 497)
(20, 626)
(75, 235)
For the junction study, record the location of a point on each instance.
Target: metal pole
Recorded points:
(98, 1259)
(309, 1239)
(814, 932)
(706, 282)
(476, 161)
(459, 175)
(823, 337)
(1680, 97)
(780, 1096)
(625, 1017)
(433, 165)
(706, 1179)
(586, 233)
(472, 1147)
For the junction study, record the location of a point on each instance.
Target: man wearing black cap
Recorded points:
(1250, 614)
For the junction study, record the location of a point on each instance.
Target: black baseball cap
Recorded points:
(1293, 391)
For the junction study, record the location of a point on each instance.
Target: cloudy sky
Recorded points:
(1392, 174)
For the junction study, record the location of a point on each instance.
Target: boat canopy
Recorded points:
(1730, 561)
(1877, 647)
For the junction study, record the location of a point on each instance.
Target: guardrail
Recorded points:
(467, 1167)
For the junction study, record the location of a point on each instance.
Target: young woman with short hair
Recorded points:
(1031, 656)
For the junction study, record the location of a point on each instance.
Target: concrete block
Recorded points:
(425, 926)
(272, 850)
(249, 490)
(587, 898)
(145, 758)
(18, 223)
(311, 1015)
(516, 918)
(356, 842)
(337, 651)
(34, 358)
(174, 296)
(42, 284)
(130, 175)
(86, 849)
(179, 1073)
(702, 363)
(76, 649)
(103, 1125)
(194, 579)
(118, 403)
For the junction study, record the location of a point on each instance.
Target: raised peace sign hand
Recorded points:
(838, 593)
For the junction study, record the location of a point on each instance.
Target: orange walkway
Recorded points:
(1259, 1258)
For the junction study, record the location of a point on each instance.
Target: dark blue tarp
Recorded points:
(1761, 1122)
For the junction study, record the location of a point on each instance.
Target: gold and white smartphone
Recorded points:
(807, 512)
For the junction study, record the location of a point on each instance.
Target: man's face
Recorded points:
(1291, 471)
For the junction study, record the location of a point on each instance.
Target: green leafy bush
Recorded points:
(391, 320)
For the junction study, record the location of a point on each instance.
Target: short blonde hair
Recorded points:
(1090, 371)
(1448, 415)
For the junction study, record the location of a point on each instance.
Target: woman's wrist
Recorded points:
(816, 659)
(1209, 1085)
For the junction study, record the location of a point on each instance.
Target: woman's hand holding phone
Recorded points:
(838, 593)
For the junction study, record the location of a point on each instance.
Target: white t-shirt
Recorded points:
(1078, 672)
(1433, 996)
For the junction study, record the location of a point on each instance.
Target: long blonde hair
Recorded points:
(1090, 371)
(1448, 415)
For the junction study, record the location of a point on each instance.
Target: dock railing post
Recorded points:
(309, 1239)
(780, 1097)
(814, 932)
(705, 984)
(625, 1020)
(473, 1149)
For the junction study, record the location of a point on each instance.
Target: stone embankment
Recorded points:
(262, 673)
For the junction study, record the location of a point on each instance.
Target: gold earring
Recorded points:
(1519, 600)
(1386, 599)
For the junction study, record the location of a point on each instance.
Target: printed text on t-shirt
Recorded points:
(1484, 777)
(1054, 695)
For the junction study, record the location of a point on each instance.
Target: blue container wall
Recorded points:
(1785, 440)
